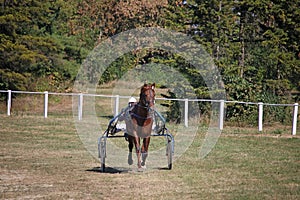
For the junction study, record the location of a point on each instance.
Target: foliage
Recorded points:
(12, 80)
(255, 44)
(32, 47)
(174, 111)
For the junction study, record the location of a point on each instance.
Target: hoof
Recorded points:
(143, 164)
(141, 169)
(144, 156)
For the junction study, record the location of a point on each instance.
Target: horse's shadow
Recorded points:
(109, 170)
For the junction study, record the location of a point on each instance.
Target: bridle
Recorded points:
(143, 103)
(143, 100)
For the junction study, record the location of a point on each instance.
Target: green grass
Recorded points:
(45, 159)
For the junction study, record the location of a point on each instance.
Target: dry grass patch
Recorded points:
(45, 159)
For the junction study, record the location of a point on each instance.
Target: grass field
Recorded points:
(45, 159)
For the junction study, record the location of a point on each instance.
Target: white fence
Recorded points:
(186, 104)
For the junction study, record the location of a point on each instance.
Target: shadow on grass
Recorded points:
(109, 170)
(120, 170)
(163, 168)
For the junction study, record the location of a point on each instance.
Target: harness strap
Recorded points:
(138, 116)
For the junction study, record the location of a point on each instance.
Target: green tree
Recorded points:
(254, 43)
(31, 46)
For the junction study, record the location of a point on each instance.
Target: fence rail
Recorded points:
(117, 102)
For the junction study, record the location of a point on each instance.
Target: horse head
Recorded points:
(147, 95)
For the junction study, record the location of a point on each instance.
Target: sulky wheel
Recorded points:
(102, 153)
(169, 154)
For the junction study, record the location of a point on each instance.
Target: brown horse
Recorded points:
(140, 124)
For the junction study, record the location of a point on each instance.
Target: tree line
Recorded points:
(254, 43)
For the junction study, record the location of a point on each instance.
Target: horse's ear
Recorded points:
(153, 86)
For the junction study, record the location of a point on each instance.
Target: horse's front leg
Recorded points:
(136, 141)
(145, 147)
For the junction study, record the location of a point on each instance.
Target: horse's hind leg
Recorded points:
(145, 147)
(130, 147)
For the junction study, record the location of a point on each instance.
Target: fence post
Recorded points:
(80, 106)
(221, 117)
(260, 116)
(186, 112)
(46, 104)
(294, 129)
(117, 100)
(8, 102)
